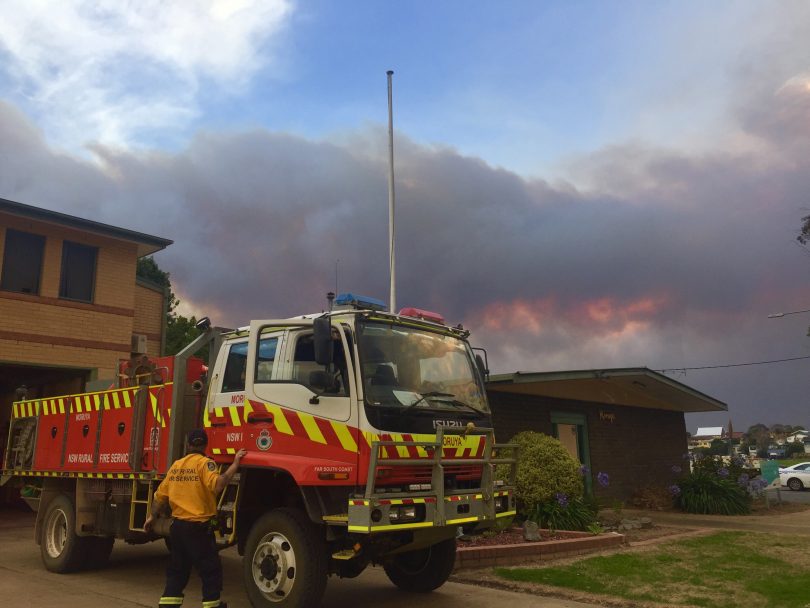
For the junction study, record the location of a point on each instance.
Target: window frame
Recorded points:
(63, 276)
(6, 257)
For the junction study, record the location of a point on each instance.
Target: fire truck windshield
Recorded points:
(407, 367)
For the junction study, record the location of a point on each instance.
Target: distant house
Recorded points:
(705, 435)
(798, 436)
(807, 446)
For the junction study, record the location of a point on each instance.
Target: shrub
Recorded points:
(544, 469)
(563, 513)
(707, 493)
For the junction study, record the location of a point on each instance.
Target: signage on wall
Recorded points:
(607, 416)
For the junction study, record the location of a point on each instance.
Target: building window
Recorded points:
(78, 272)
(22, 262)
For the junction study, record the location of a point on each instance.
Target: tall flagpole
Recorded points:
(391, 264)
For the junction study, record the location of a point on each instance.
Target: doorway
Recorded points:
(571, 429)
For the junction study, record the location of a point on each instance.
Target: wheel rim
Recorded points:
(795, 484)
(273, 566)
(56, 533)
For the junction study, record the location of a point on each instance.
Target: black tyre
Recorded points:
(795, 484)
(285, 562)
(99, 549)
(424, 570)
(62, 551)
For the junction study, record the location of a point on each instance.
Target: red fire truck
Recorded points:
(368, 435)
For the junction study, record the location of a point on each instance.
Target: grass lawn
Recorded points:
(723, 570)
(792, 461)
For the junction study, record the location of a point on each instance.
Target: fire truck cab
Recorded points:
(369, 441)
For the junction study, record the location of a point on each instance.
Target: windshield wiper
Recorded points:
(425, 396)
(467, 405)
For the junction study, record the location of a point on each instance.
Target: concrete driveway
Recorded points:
(135, 578)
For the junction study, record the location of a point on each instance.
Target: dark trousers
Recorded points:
(192, 544)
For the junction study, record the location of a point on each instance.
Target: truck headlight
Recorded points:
(402, 513)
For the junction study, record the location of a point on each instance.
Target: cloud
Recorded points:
(113, 72)
(679, 267)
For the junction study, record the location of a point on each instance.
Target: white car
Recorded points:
(796, 477)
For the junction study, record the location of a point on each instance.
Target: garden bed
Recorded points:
(509, 547)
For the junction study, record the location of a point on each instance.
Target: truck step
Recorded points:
(337, 519)
(345, 554)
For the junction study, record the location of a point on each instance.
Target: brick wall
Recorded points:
(43, 329)
(150, 316)
(637, 448)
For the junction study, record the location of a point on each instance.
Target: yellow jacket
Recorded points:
(189, 488)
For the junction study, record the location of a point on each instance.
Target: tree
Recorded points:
(180, 330)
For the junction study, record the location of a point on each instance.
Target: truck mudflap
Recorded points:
(435, 505)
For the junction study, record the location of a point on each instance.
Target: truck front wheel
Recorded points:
(62, 550)
(424, 570)
(285, 561)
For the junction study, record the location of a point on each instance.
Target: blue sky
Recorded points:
(583, 184)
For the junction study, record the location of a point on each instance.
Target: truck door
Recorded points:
(291, 387)
(228, 412)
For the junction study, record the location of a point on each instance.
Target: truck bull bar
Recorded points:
(436, 507)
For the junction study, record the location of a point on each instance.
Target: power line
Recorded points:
(686, 369)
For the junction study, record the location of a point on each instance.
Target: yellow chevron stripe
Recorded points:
(216, 451)
(46, 408)
(234, 412)
(279, 419)
(345, 436)
(219, 413)
(61, 406)
(127, 400)
(311, 427)
(246, 410)
(97, 402)
(401, 449)
(206, 419)
(230, 450)
(116, 403)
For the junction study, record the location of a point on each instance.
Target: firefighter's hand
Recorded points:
(239, 455)
(147, 525)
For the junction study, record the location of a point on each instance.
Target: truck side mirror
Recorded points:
(322, 341)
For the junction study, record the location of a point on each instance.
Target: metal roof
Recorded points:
(147, 244)
(633, 387)
(709, 431)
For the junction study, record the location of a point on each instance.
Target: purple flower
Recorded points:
(743, 480)
(675, 490)
(603, 479)
(676, 469)
(562, 499)
(584, 470)
(722, 472)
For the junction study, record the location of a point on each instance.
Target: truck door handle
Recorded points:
(254, 417)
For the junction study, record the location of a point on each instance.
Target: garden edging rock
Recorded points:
(572, 543)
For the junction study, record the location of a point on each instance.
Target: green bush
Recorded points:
(544, 469)
(706, 493)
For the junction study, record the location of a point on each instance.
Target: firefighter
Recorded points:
(190, 488)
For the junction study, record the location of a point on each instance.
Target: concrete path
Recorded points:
(791, 523)
(134, 579)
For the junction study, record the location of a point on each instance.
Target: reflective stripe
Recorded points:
(211, 604)
(174, 601)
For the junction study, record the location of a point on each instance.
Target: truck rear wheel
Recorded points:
(424, 570)
(61, 549)
(285, 561)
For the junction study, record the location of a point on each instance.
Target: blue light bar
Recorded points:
(364, 302)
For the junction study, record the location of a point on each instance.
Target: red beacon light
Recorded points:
(425, 315)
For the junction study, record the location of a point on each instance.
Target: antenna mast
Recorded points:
(391, 264)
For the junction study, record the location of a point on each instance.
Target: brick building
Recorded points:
(628, 423)
(70, 302)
